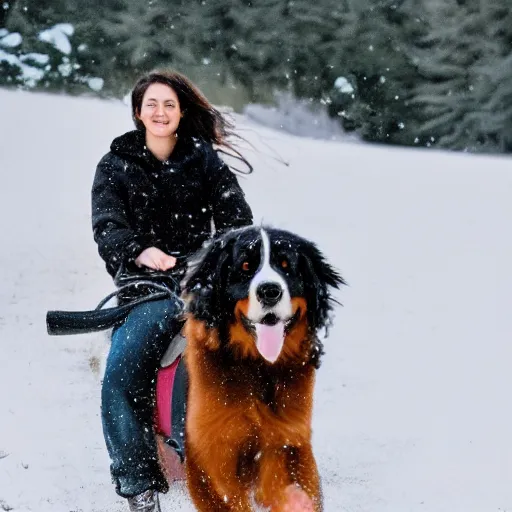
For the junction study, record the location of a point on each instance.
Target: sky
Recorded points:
(412, 401)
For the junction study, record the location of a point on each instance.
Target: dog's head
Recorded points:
(266, 291)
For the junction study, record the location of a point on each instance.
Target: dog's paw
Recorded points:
(173, 469)
(296, 500)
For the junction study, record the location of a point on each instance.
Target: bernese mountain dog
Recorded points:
(256, 299)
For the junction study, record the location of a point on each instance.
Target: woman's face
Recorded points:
(160, 111)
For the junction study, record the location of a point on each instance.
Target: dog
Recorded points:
(255, 301)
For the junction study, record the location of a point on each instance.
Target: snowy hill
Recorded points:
(412, 408)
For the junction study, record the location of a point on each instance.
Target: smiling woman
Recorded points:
(154, 199)
(160, 113)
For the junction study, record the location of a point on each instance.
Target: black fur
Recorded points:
(214, 285)
(318, 277)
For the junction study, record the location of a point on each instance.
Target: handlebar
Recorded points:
(60, 322)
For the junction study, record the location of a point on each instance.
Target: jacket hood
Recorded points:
(132, 146)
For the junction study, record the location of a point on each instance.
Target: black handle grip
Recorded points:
(81, 322)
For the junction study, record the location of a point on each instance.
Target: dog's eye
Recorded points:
(245, 266)
(284, 263)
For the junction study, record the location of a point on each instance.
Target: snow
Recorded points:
(343, 85)
(58, 37)
(297, 117)
(39, 58)
(30, 74)
(412, 404)
(11, 40)
(96, 84)
(65, 68)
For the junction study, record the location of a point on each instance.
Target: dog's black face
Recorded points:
(265, 278)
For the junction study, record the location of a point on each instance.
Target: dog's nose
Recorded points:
(269, 293)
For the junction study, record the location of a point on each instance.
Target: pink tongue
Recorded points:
(269, 340)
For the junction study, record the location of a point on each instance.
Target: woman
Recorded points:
(154, 197)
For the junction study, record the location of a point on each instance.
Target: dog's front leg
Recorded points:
(289, 481)
(302, 465)
(213, 481)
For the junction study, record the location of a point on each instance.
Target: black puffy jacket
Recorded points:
(139, 201)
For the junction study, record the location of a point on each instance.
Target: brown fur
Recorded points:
(248, 421)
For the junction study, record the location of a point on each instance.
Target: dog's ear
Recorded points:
(205, 281)
(320, 278)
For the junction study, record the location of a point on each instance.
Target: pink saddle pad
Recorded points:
(164, 386)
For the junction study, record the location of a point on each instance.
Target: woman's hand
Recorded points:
(156, 259)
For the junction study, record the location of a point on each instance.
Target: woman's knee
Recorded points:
(120, 367)
(139, 343)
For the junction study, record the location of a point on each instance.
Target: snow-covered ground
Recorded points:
(412, 410)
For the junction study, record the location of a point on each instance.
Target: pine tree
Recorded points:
(5, 10)
(376, 61)
(493, 92)
(244, 42)
(465, 75)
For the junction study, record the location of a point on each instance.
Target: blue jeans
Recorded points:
(128, 395)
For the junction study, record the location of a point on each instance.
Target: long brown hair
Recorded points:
(201, 119)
